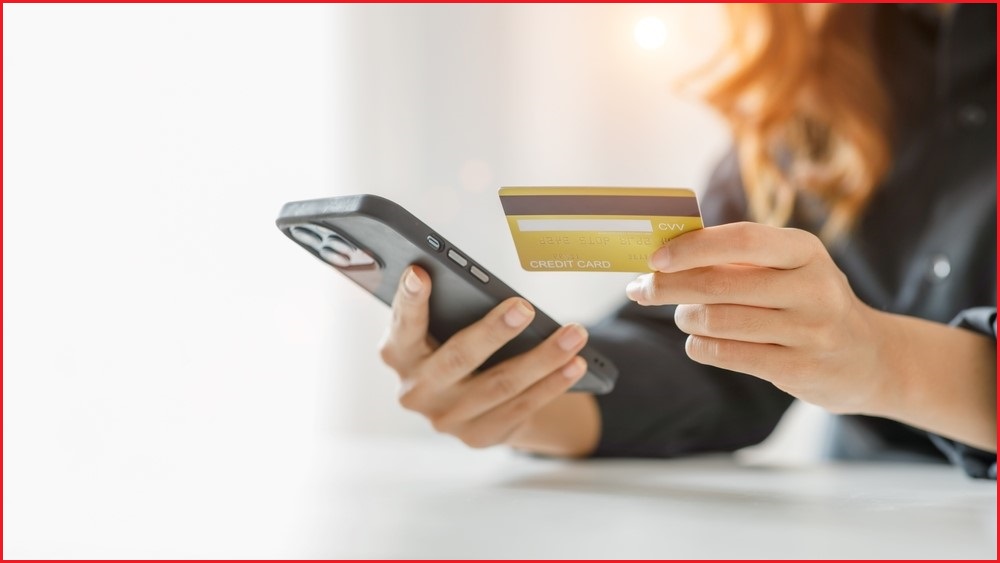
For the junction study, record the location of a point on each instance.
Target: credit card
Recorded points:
(592, 229)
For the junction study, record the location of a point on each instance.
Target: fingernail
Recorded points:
(412, 283)
(517, 315)
(660, 260)
(572, 337)
(575, 368)
(635, 289)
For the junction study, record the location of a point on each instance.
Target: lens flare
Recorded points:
(650, 33)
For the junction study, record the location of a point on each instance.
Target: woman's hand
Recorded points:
(503, 404)
(771, 303)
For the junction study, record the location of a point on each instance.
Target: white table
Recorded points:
(314, 497)
(442, 501)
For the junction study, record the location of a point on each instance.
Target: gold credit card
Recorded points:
(595, 229)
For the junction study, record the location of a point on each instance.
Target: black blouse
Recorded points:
(925, 247)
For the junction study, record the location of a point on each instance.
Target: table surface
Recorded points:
(353, 498)
(442, 501)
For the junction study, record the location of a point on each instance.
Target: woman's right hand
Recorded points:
(494, 406)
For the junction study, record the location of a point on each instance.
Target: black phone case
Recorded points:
(372, 240)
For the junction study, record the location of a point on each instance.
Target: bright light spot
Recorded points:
(650, 33)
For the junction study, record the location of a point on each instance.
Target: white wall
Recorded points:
(170, 360)
(163, 343)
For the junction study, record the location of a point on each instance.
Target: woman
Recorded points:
(870, 129)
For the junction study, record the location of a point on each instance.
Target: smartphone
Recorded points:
(372, 240)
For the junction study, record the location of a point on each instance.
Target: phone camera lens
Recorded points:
(340, 245)
(334, 257)
(343, 254)
(306, 236)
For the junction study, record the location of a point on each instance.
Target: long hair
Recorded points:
(808, 109)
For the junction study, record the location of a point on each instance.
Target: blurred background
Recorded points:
(170, 359)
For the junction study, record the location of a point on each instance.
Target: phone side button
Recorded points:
(480, 275)
(458, 258)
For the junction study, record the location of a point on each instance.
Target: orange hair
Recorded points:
(807, 106)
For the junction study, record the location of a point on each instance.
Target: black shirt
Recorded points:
(925, 247)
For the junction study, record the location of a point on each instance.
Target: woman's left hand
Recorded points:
(771, 303)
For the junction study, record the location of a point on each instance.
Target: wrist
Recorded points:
(567, 427)
(893, 388)
(935, 377)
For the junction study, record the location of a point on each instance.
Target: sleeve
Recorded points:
(664, 404)
(975, 462)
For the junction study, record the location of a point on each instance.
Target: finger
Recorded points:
(468, 348)
(506, 380)
(731, 284)
(406, 341)
(770, 362)
(737, 243)
(736, 322)
(497, 424)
